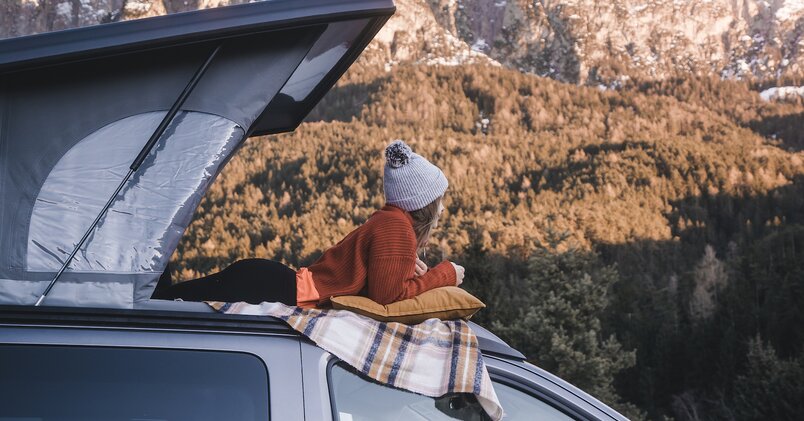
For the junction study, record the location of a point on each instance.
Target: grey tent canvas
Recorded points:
(77, 107)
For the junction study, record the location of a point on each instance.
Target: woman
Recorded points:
(378, 259)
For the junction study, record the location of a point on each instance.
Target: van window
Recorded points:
(519, 405)
(98, 383)
(357, 398)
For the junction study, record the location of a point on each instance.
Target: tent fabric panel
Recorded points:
(46, 112)
(146, 219)
(77, 188)
(79, 290)
(123, 258)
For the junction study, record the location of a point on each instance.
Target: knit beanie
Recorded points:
(410, 181)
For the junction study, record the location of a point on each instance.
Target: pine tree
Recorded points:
(772, 388)
(558, 323)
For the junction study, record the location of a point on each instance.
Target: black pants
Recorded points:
(249, 280)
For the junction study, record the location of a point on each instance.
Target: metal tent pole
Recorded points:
(136, 164)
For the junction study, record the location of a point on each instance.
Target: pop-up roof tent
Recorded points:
(137, 118)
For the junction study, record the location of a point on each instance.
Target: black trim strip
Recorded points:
(139, 319)
(493, 348)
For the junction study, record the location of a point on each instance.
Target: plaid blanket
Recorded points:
(432, 358)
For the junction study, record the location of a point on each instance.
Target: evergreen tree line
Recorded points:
(645, 243)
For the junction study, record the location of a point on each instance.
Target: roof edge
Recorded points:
(173, 315)
(179, 28)
(139, 319)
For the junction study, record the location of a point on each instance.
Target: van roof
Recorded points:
(179, 315)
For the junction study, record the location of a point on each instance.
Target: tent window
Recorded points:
(330, 48)
(146, 220)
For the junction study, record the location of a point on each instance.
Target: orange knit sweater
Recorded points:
(379, 259)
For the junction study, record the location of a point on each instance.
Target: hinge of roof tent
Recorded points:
(136, 164)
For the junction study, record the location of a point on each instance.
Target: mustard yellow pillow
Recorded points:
(443, 303)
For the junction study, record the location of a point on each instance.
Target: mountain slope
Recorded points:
(677, 183)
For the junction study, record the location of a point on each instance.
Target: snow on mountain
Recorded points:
(414, 35)
(783, 93)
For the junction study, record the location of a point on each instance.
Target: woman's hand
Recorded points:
(421, 267)
(459, 270)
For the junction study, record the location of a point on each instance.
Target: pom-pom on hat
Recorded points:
(410, 181)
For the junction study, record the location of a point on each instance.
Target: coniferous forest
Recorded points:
(644, 243)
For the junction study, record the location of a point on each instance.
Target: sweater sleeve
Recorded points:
(391, 264)
(393, 279)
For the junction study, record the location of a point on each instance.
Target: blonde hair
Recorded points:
(423, 221)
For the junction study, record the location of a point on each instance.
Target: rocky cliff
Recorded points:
(600, 42)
